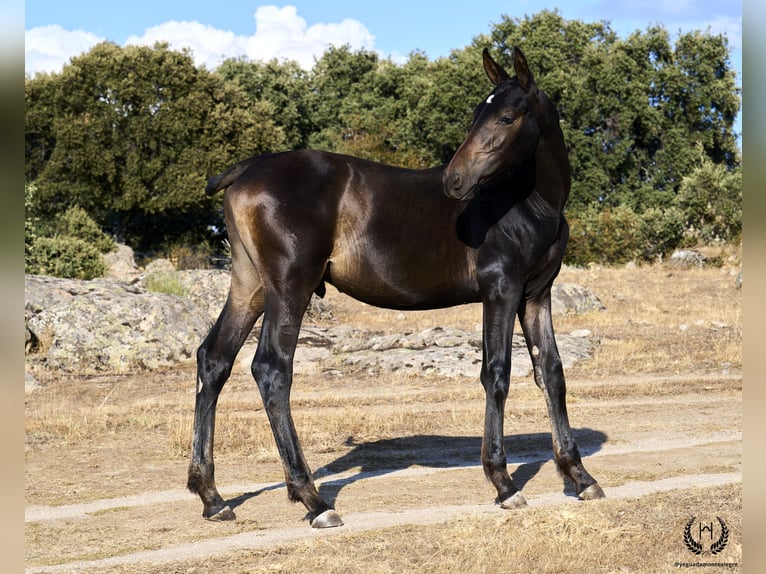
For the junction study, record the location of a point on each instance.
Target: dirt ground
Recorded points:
(657, 413)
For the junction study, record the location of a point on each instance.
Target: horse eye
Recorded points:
(507, 120)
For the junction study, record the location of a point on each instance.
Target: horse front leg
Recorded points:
(498, 320)
(537, 325)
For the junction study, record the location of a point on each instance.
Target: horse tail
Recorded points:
(225, 179)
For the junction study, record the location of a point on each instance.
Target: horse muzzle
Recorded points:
(456, 186)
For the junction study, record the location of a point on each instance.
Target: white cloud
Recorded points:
(48, 48)
(209, 45)
(279, 33)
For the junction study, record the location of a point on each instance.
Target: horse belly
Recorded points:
(401, 278)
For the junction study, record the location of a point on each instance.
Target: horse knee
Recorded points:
(495, 378)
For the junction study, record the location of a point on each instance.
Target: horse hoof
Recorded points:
(222, 515)
(517, 500)
(328, 519)
(593, 492)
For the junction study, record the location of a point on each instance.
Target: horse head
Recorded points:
(505, 131)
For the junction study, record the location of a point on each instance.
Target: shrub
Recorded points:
(75, 222)
(65, 256)
(68, 246)
(662, 231)
(711, 199)
(611, 235)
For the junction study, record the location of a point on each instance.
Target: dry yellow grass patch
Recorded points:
(638, 536)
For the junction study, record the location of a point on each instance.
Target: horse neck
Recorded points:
(552, 170)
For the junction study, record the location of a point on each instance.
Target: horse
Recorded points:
(487, 227)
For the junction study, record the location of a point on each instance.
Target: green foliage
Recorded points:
(70, 245)
(65, 256)
(618, 235)
(131, 134)
(284, 85)
(633, 110)
(603, 236)
(661, 232)
(75, 222)
(711, 200)
(31, 221)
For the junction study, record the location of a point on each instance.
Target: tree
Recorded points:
(632, 110)
(711, 200)
(132, 135)
(70, 245)
(284, 85)
(331, 82)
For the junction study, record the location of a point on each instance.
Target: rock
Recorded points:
(571, 298)
(738, 280)
(159, 266)
(447, 352)
(686, 259)
(207, 288)
(102, 325)
(120, 263)
(30, 383)
(118, 326)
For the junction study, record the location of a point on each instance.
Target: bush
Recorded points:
(662, 231)
(68, 246)
(618, 235)
(711, 199)
(75, 222)
(65, 256)
(603, 236)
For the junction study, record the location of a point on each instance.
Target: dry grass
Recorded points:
(660, 320)
(639, 536)
(666, 338)
(657, 320)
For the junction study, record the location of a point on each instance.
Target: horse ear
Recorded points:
(521, 68)
(495, 72)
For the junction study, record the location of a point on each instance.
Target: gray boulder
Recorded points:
(120, 263)
(101, 325)
(686, 259)
(118, 326)
(571, 298)
(207, 288)
(446, 352)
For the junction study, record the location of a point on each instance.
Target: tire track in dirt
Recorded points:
(81, 510)
(645, 443)
(37, 513)
(366, 521)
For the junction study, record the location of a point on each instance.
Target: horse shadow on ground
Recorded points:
(528, 452)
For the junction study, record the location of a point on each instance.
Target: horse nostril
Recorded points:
(456, 181)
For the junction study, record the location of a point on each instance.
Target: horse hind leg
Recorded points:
(272, 369)
(215, 358)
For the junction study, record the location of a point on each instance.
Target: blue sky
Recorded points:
(301, 29)
(394, 27)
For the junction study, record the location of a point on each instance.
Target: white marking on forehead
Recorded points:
(490, 98)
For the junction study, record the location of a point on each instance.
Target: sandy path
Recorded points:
(361, 522)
